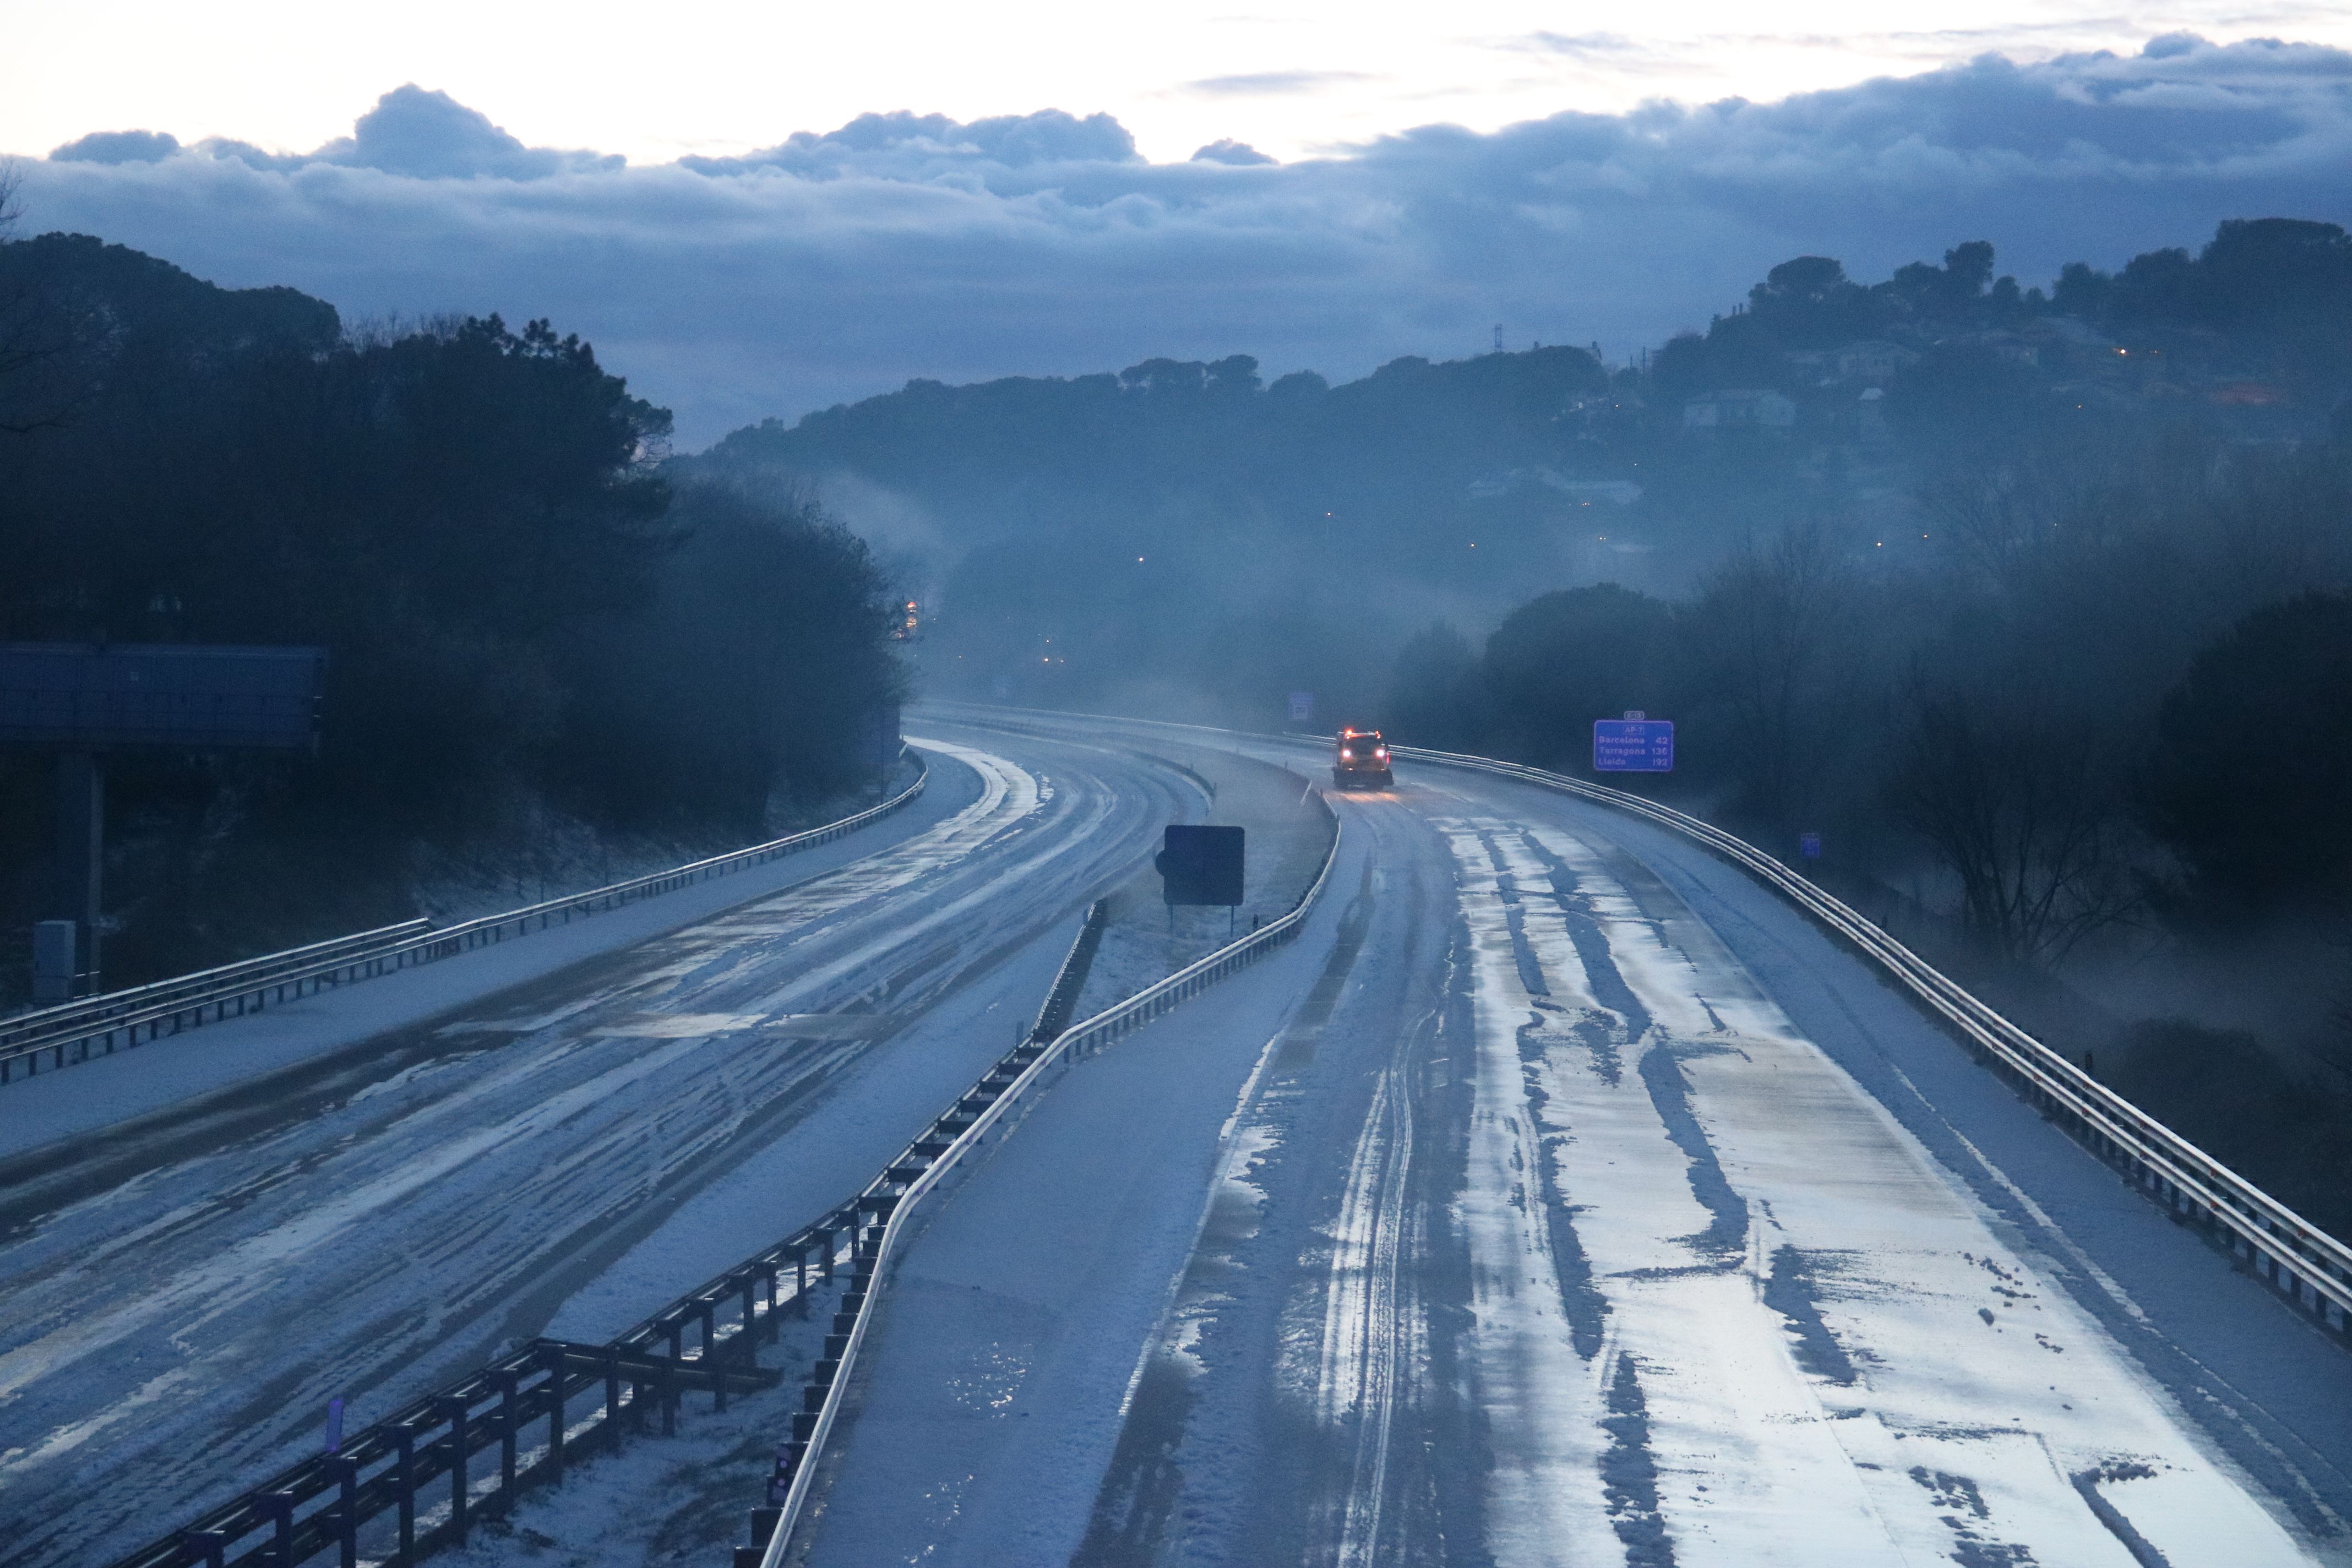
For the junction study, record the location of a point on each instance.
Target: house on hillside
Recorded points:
(1873, 360)
(1746, 410)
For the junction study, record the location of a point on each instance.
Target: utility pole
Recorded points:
(80, 702)
(81, 864)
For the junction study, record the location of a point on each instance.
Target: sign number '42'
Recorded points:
(1632, 745)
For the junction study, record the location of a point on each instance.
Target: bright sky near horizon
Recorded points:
(729, 76)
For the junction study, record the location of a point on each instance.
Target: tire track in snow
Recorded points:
(182, 1327)
(1134, 1519)
(1921, 1439)
(1368, 1318)
(1543, 1406)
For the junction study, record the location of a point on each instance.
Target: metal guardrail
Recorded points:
(2301, 1260)
(1061, 996)
(407, 1485)
(68, 1019)
(417, 1467)
(61, 1036)
(957, 1133)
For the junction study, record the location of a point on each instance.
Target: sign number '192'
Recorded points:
(1632, 745)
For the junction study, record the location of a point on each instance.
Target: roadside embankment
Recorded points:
(1289, 831)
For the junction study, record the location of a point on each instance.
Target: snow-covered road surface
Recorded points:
(370, 1228)
(1562, 1197)
(1826, 1352)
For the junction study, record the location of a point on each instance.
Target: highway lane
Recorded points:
(1571, 1200)
(176, 1331)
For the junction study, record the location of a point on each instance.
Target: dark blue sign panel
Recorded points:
(1200, 864)
(1632, 745)
(75, 695)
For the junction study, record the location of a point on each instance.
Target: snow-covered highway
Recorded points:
(182, 1292)
(1560, 1196)
(1564, 1197)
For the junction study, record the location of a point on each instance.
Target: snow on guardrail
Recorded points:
(100, 1026)
(67, 1019)
(873, 1251)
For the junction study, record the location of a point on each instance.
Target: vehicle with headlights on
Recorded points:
(1361, 759)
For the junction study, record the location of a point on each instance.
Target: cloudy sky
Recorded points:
(757, 210)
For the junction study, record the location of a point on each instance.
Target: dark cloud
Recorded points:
(899, 245)
(1228, 151)
(433, 136)
(119, 147)
(1267, 84)
(429, 136)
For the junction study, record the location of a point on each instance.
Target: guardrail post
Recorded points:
(404, 1489)
(552, 1359)
(505, 1379)
(613, 1395)
(281, 1515)
(347, 1508)
(454, 1410)
(709, 1356)
(211, 1545)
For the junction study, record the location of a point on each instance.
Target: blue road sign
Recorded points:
(1808, 844)
(1200, 864)
(197, 697)
(1632, 745)
(1302, 707)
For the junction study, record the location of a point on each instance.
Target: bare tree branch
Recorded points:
(2014, 800)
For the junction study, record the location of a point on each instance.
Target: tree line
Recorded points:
(532, 629)
(1211, 535)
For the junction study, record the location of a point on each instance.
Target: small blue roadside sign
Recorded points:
(1808, 844)
(1632, 745)
(1302, 707)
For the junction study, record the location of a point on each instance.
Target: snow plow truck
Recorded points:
(1361, 758)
